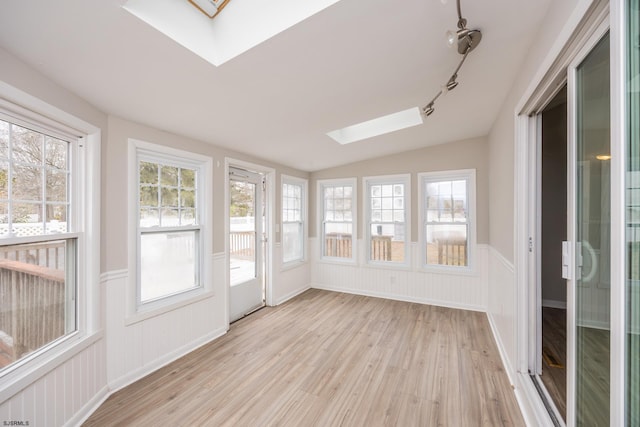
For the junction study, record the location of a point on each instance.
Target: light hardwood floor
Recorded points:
(326, 359)
(554, 356)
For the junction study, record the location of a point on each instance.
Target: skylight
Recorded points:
(209, 7)
(243, 25)
(380, 126)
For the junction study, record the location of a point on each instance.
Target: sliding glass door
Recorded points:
(632, 291)
(589, 299)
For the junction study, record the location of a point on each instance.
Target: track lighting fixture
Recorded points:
(428, 110)
(466, 40)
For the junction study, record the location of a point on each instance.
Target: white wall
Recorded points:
(450, 289)
(464, 290)
(60, 390)
(157, 340)
(502, 286)
(66, 390)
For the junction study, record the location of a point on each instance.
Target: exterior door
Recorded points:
(589, 234)
(246, 238)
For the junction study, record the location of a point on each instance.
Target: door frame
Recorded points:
(269, 200)
(589, 16)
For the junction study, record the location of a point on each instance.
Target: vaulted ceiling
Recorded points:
(353, 61)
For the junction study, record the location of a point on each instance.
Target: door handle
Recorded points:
(566, 260)
(594, 261)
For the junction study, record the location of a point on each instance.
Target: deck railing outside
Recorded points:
(242, 244)
(337, 245)
(32, 298)
(452, 252)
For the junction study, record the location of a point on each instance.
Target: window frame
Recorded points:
(367, 182)
(339, 182)
(469, 175)
(83, 215)
(169, 156)
(304, 184)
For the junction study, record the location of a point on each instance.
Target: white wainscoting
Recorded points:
(137, 349)
(466, 290)
(501, 309)
(64, 395)
(503, 318)
(289, 280)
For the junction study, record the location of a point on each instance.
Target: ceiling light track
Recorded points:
(466, 40)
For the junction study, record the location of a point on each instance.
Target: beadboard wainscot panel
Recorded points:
(289, 280)
(501, 309)
(156, 341)
(502, 314)
(448, 289)
(66, 395)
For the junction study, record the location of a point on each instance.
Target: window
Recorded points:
(338, 204)
(387, 201)
(293, 218)
(38, 238)
(170, 220)
(447, 213)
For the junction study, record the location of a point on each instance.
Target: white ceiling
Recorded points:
(352, 62)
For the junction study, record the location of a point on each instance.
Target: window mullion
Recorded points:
(10, 181)
(179, 204)
(43, 181)
(159, 195)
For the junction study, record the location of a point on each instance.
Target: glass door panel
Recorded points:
(593, 229)
(242, 232)
(246, 259)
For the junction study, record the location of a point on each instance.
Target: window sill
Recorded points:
(28, 372)
(388, 265)
(448, 270)
(161, 307)
(339, 261)
(291, 265)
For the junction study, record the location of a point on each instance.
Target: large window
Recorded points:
(387, 207)
(38, 238)
(294, 195)
(338, 204)
(170, 223)
(447, 206)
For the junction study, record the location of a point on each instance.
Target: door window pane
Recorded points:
(242, 232)
(593, 205)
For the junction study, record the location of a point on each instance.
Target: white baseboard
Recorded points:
(89, 408)
(531, 407)
(554, 304)
(503, 352)
(396, 297)
(153, 366)
(293, 294)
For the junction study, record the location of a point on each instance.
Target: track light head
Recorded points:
(452, 83)
(466, 40)
(428, 110)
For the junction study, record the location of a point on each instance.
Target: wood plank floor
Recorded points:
(554, 356)
(330, 359)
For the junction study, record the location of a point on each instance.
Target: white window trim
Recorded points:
(366, 207)
(137, 311)
(288, 179)
(85, 195)
(321, 184)
(470, 176)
